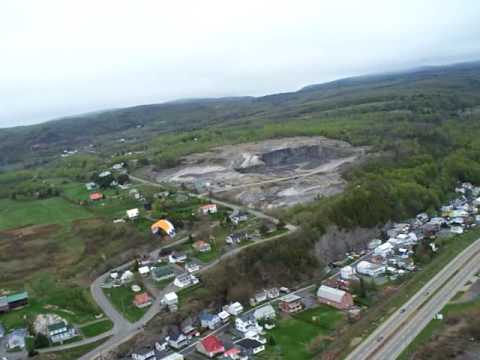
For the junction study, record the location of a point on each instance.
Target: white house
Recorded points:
(133, 214)
(126, 277)
(247, 323)
(170, 298)
(384, 250)
(234, 309)
(208, 209)
(144, 270)
(264, 312)
(16, 339)
(370, 269)
(185, 280)
(224, 316)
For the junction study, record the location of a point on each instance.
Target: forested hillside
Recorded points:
(426, 95)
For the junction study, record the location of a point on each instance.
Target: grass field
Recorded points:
(71, 354)
(17, 213)
(96, 328)
(122, 299)
(49, 296)
(293, 335)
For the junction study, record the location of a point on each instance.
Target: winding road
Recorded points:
(124, 330)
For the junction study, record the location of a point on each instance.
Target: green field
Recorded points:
(71, 354)
(17, 213)
(293, 335)
(46, 295)
(96, 328)
(122, 299)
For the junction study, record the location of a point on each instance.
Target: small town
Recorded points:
(236, 330)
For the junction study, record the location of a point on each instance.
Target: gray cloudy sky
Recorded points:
(65, 57)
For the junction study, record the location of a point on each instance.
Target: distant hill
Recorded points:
(452, 88)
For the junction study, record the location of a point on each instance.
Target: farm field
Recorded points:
(18, 213)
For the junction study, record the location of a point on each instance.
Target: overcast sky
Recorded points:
(62, 57)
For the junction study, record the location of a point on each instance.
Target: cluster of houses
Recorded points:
(232, 332)
(394, 256)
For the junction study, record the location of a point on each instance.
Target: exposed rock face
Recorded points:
(268, 174)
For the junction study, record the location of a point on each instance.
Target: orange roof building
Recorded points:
(164, 226)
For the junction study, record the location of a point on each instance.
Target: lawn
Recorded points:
(17, 213)
(293, 335)
(96, 328)
(71, 354)
(122, 299)
(49, 296)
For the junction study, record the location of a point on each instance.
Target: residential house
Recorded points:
(17, 300)
(142, 300)
(384, 250)
(177, 257)
(369, 269)
(104, 174)
(126, 277)
(192, 267)
(147, 353)
(238, 216)
(261, 296)
(234, 309)
(160, 273)
(290, 303)
(4, 304)
(202, 246)
(247, 324)
(144, 271)
(250, 346)
(334, 297)
(209, 321)
(264, 313)
(176, 339)
(90, 186)
(16, 339)
(232, 354)
(170, 299)
(208, 209)
(347, 272)
(96, 196)
(133, 214)
(60, 332)
(210, 346)
(237, 238)
(185, 280)
(273, 293)
(224, 316)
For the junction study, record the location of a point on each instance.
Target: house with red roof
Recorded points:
(210, 346)
(142, 300)
(202, 246)
(96, 196)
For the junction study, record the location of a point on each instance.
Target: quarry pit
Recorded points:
(267, 174)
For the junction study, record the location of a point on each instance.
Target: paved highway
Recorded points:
(396, 333)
